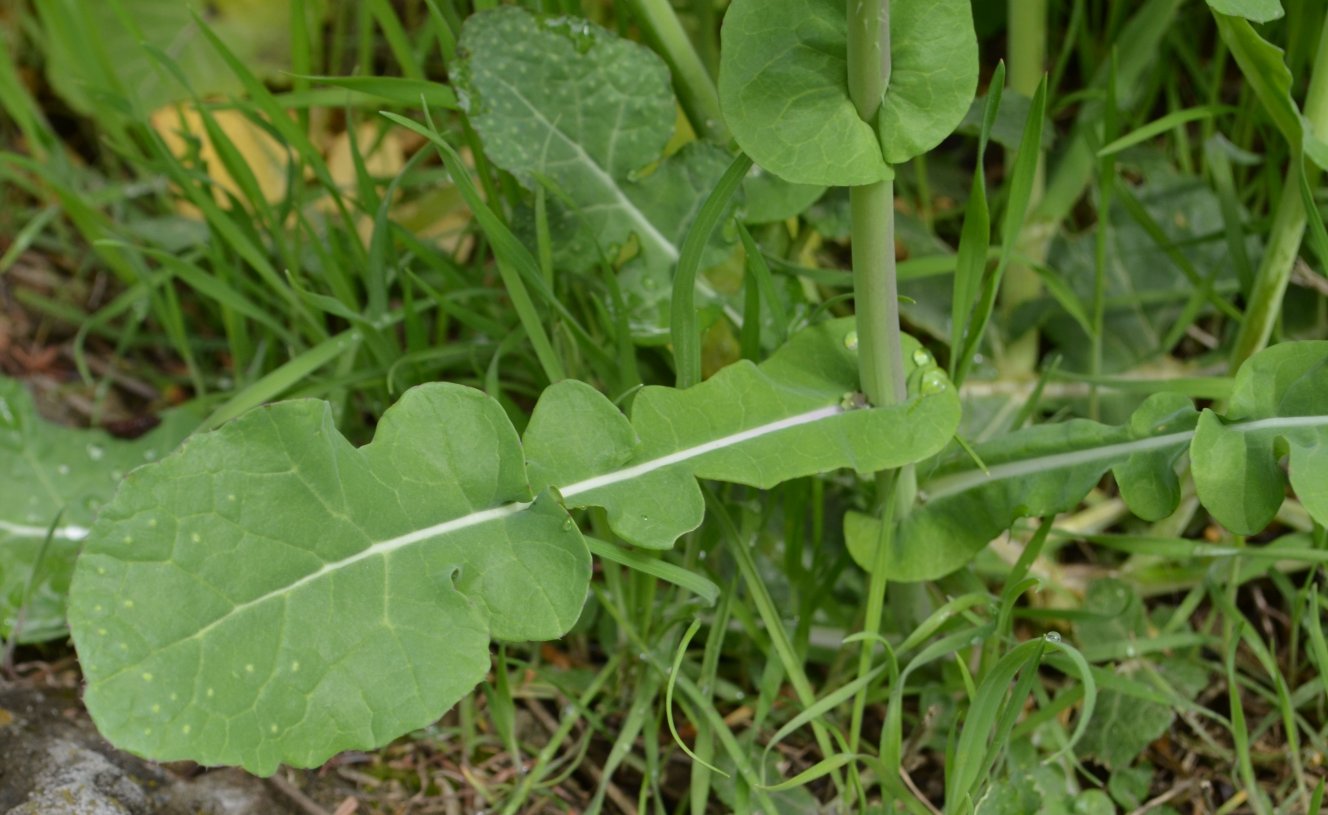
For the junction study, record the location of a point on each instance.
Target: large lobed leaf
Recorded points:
(783, 83)
(1279, 404)
(49, 472)
(272, 594)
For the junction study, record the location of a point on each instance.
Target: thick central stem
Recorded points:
(875, 289)
(876, 305)
(876, 293)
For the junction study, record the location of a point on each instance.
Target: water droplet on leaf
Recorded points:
(851, 340)
(96, 451)
(921, 357)
(63, 469)
(1053, 636)
(933, 382)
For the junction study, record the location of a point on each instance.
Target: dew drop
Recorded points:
(116, 475)
(641, 656)
(921, 357)
(567, 525)
(1130, 652)
(739, 696)
(96, 451)
(1053, 636)
(63, 469)
(149, 455)
(933, 382)
(701, 555)
(851, 340)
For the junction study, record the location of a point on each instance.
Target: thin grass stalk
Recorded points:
(691, 80)
(1288, 229)
(1026, 54)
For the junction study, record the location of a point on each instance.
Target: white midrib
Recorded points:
(483, 516)
(648, 231)
(962, 482)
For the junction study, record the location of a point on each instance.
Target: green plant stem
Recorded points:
(1289, 221)
(875, 284)
(876, 300)
(1026, 53)
(696, 90)
(876, 293)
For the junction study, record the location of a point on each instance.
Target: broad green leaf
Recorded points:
(783, 83)
(48, 471)
(271, 594)
(1259, 11)
(564, 102)
(1266, 71)
(95, 48)
(1279, 407)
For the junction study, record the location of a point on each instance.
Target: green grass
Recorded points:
(1012, 683)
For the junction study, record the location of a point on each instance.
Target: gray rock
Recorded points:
(51, 764)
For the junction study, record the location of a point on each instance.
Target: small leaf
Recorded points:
(48, 471)
(783, 83)
(1265, 69)
(933, 75)
(1279, 407)
(1038, 471)
(1259, 11)
(271, 594)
